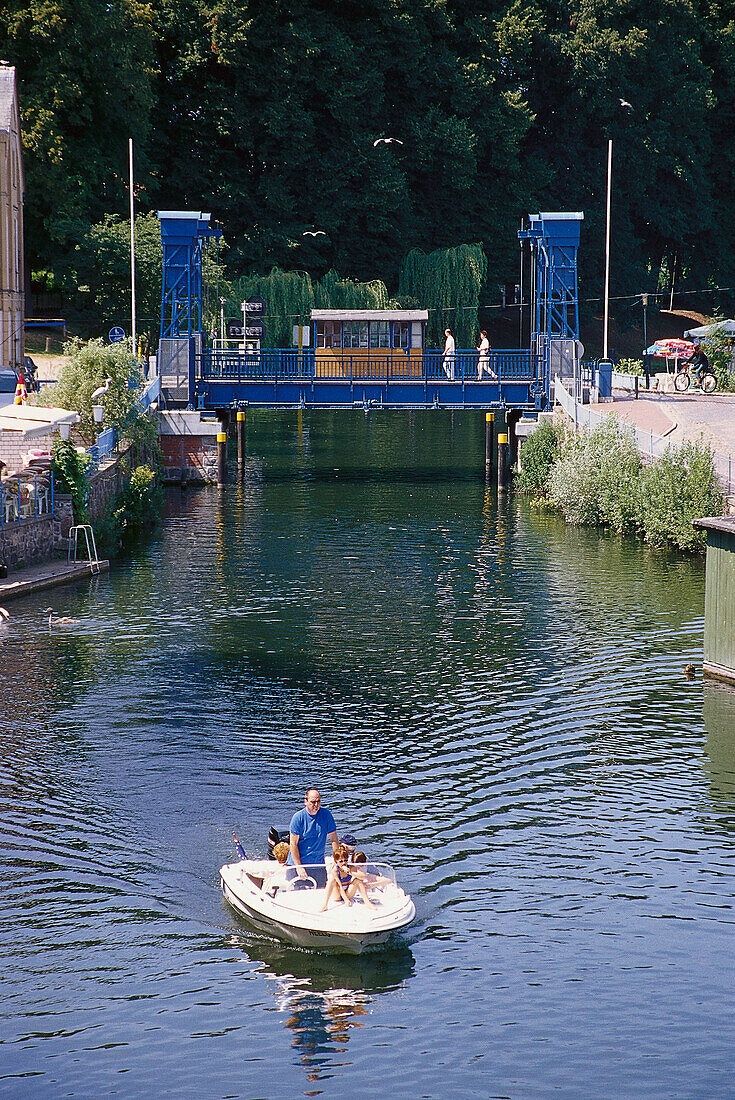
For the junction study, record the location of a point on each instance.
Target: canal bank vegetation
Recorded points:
(129, 516)
(133, 513)
(598, 478)
(93, 366)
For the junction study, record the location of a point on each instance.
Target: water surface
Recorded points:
(491, 701)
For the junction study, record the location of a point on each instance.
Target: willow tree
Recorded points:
(447, 282)
(288, 296)
(332, 292)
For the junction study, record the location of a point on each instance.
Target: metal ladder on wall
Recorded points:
(91, 545)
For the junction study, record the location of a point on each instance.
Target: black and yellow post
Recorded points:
(223, 418)
(489, 443)
(240, 442)
(502, 461)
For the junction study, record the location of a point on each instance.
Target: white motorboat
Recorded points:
(276, 900)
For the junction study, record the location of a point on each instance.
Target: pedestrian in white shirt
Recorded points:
(449, 355)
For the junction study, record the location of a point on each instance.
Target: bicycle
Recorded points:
(687, 377)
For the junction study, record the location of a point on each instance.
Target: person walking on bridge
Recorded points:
(483, 362)
(449, 355)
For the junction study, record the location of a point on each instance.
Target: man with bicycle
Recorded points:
(699, 363)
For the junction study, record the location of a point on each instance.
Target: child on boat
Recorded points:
(275, 877)
(362, 877)
(343, 883)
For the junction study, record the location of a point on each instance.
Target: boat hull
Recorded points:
(264, 915)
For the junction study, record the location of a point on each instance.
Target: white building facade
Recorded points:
(12, 296)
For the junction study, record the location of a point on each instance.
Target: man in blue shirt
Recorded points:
(309, 830)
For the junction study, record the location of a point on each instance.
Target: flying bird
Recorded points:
(102, 390)
(314, 233)
(624, 103)
(4, 615)
(387, 141)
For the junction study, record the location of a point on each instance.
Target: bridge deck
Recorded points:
(308, 379)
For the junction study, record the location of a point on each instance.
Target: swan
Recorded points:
(60, 620)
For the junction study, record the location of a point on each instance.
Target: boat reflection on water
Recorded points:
(323, 997)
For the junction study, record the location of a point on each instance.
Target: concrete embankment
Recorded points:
(49, 575)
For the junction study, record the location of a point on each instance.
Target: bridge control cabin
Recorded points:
(368, 343)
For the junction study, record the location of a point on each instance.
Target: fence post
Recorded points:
(650, 443)
(2, 505)
(729, 473)
(35, 491)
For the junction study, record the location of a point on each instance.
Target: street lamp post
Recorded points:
(607, 251)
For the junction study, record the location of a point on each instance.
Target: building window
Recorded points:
(400, 334)
(417, 334)
(328, 334)
(354, 334)
(380, 334)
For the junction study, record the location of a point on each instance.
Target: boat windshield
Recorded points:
(314, 876)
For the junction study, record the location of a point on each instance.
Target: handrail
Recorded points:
(364, 364)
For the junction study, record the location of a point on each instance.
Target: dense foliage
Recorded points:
(132, 513)
(71, 475)
(540, 452)
(597, 478)
(267, 113)
(86, 368)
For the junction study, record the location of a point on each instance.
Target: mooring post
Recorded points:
(223, 418)
(502, 461)
(240, 442)
(489, 444)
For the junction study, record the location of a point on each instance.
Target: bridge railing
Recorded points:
(286, 364)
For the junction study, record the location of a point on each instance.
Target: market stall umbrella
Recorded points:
(671, 349)
(33, 421)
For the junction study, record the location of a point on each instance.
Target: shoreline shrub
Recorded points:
(595, 480)
(540, 452)
(675, 489)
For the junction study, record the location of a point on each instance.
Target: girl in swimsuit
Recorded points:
(341, 881)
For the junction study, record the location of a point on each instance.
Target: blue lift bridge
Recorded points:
(222, 379)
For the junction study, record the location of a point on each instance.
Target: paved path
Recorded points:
(681, 416)
(21, 582)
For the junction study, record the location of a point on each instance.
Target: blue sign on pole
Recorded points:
(117, 335)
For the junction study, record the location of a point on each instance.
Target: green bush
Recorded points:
(71, 475)
(674, 490)
(87, 368)
(595, 480)
(540, 452)
(718, 349)
(132, 513)
(630, 366)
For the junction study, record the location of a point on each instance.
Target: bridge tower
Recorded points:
(183, 233)
(554, 241)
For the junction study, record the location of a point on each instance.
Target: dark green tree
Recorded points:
(84, 74)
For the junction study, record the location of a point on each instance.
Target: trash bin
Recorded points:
(604, 379)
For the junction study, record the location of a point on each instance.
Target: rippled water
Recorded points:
(489, 700)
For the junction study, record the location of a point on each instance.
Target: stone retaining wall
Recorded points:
(35, 541)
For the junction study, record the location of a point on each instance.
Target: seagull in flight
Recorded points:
(386, 141)
(314, 233)
(624, 103)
